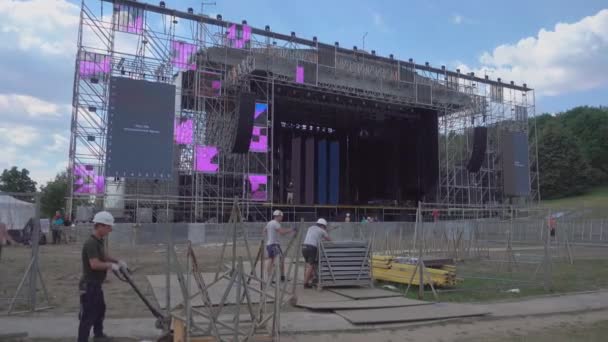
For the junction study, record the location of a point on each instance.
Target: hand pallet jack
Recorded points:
(162, 321)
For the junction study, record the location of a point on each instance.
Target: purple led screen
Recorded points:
(87, 181)
(206, 159)
(184, 131)
(129, 19)
(233, 35)
(299, 74)
(257, 185)
(259, 140)
(182, 53)
(94, 64)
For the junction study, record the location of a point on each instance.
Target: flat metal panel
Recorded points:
(515, 164)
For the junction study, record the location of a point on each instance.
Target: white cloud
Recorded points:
(48, 26)
(32, 107)
(60, 144)
(457, 19)
(379, 22)
(571, 57)
(18, 135)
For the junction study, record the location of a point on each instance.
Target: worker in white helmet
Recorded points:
(95, 264)
(310, 248)
(273, 246)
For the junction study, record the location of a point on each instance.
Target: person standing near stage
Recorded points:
(310, 249)
(95, 264)
(290, 193)
(272, 231)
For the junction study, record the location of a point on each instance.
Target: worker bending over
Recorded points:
(95, 264)
(310, 250)
(273, 246)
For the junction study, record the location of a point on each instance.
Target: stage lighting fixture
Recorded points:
(391, 56)
(267, 28)
(218, 17)
(293, 34)
(274, 43)
(90, 138)
(487, 77)
(458, 71)
(122, 71)
(244, 22)
(443, 67)
(525, 85)
(411, 60)
(337, 44)
(94, 80)
(373, 52)
(92, 109)
(355, 48)
(472, 74)
(314, 39)
(162, 4)
(498, 79)
(190, 10)
(512, 83)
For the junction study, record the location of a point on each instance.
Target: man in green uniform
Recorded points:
(95, 264)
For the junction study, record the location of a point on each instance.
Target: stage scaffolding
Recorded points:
(218, 59)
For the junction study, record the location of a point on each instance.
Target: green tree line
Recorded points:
(572, 151)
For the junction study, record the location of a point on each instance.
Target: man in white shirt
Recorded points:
(310, 250)
(273, 245)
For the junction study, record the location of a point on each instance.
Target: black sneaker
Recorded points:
(102, 338)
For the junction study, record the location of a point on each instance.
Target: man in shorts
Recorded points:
(273, 246)
(310, 249)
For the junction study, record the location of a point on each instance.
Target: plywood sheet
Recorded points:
(361, 304)
(365, 293)
(411, 313)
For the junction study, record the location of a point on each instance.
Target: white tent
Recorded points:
(15, 213)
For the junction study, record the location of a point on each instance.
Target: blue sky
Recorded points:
(560, 48)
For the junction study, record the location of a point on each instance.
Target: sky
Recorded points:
(559, 48)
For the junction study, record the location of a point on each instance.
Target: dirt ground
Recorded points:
(61, 267)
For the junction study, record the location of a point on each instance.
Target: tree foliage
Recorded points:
(15, 180)
(54, 194)
(572, 151)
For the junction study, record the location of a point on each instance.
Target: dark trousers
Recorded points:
(92, 310)
(56, 236)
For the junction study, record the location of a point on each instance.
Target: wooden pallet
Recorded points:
(344, 264)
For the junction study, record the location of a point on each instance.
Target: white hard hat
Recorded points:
(104, 217)
(322, 222)
(277, 213)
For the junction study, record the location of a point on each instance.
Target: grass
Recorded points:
(595, 200)
(486, 283)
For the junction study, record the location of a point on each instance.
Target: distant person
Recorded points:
(95, 264)
(552, 223)
(56, 224)
(435, 215)
(273, 246)
(347, 218)
(5, 238)
(310, 249)
(290, 192)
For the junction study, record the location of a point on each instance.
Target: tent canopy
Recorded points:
(15, 213)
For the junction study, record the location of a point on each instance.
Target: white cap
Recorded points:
(322, 222)
(277, 213)
(104, 217)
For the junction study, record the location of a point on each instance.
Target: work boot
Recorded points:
(102, 338)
